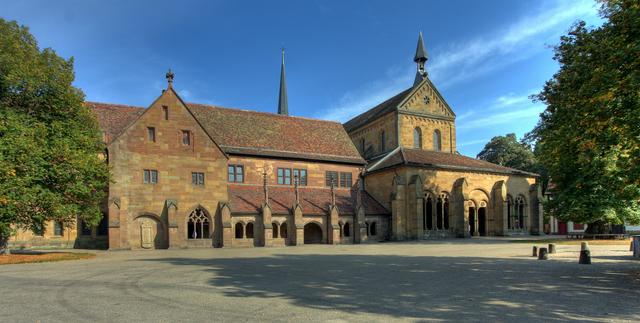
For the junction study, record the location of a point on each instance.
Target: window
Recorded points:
(150, 176)
(383, 138)
(283, 230)
(58, 229)
(362, 143)
(417, 138)
(274, 230)
(151, 134)
(186, 137)
(235, 174)
(347, 230)
(103, 226)
(165, 112)
(85, 230)
(284, 176)
(437, 144)
(197, 179)
(373, 230)
(331, 178)
(198, 225)
(301, 175)
(249, 230)
(345, 179)
(239, 230)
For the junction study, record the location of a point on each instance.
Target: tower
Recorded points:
(420, 58)
(283, 105)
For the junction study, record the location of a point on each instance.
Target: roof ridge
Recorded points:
(119, 105)
(263, 113)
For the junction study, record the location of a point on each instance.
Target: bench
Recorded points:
(582, 235)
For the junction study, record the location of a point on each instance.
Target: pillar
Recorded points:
(297, 226)
(227, 230)
(333, 234)
(500, 208)
(398, 209)
(114, 224)
(535, 210)
(267, 229)
(173, 225)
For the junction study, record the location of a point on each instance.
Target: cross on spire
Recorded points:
(170, 77)
(420, 58)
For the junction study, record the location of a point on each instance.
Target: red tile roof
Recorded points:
(247, 199)
(114, 118)
(443, 160)
(267, 134)
(252, 133)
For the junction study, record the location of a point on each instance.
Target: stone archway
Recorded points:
(148, 233)
(312, 233)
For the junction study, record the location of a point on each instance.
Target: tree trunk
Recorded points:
(597, 227)
(4, 245)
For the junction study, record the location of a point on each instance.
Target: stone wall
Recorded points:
(371, 135)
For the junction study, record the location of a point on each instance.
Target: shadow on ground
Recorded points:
(460, 288)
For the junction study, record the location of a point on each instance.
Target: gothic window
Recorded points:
(249, 230)
(151, 134)
(186, 137)
(198, 225)
(239, 230)
(427, 221)
(383, 139)
(510, 222)
(347, 230)
(283, 230)
(437, 140)
(417, 138)
(520, 213)
(235, 173)
(274, 230)
(442, 212)
(58, 229)
(372, 228)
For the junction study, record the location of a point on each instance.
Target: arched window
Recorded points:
(274, 230)
(198, 225)
(283, 230)
(383, 139)
(520, 213)
(509, 212)
(417, 138)
(347, 230)
(437, 140)
(372, 227)
(249, 230)
(239, 230)
(442, 212)
(427, 214)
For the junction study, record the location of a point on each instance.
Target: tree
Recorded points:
(507, 151)
(588, 138)
(50, 144)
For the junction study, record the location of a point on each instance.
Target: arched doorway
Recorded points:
(472, 220)
(312, 233)
(482, 221)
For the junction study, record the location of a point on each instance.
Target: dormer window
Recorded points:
(186, 137)
(151, 134)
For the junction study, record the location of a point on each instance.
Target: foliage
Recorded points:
(588, 138)
(507, 151)
(50, 143)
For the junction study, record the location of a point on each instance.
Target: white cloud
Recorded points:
(472, 142)
(532, 112)
(464, 61)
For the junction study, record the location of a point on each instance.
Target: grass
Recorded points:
(22, 257)
(576, 241)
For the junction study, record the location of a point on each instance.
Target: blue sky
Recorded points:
(342, 57)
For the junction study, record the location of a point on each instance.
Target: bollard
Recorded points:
(636, 246)
(552, 248)
(543, 254)
(585, 257)
(535, 251)
(584, 246)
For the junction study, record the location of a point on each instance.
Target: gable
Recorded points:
(426, 99)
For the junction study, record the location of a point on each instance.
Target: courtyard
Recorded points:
(472, 280)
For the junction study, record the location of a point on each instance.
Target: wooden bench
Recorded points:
(582, 235)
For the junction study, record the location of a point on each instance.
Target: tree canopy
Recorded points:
(507, 151)
(50, 143)
(588, 138)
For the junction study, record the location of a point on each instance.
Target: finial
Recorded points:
(333, 193)
(266, 186)
(358, 193)
(420, 58)
(170, 77)
(295, 187)
(283, 105)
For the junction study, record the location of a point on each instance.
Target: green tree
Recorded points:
(50, 144)
(588, 138)
(507, 151)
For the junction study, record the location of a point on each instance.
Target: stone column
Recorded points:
(459, 199)
(333, 235)
(535, 210)
(267, 232)
(398, 211)
(227, 230)
(500, 208)
(297, 226)
(175, 241)
(114, 224)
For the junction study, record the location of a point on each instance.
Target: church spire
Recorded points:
(420, 58)
(283, 106)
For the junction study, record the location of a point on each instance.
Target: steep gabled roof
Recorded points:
(248, 199)
(441, 160)
(377, 111)
(114, 118)
(246, 132)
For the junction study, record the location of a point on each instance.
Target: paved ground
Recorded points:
(479, 280)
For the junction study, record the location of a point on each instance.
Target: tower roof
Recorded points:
(421, 53)
(283, 104)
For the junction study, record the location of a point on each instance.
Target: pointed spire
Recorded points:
(283, 105)
(169, 77)
(420, 58)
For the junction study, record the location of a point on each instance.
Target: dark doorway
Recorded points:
(562, 228)
(482, 221)
(472, 220)
(312, 233)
